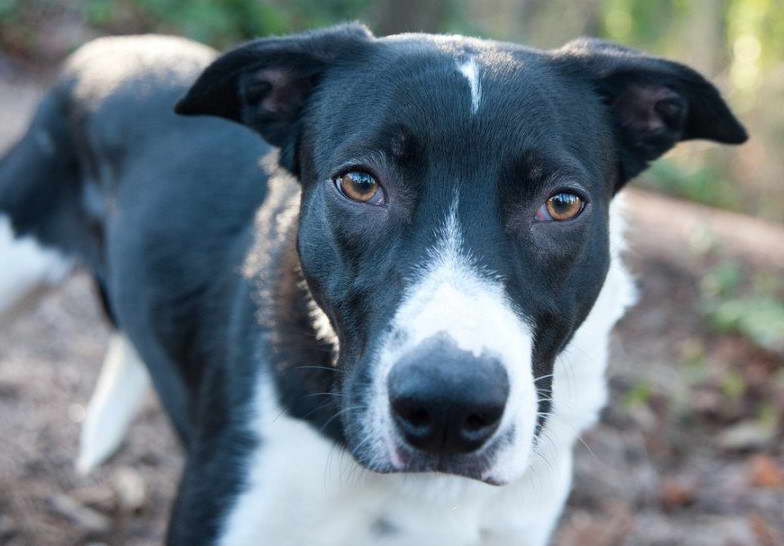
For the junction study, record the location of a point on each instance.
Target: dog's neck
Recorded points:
(300, 345)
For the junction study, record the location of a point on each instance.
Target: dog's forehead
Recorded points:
(454, 92)
(454, 50)
(478, 70)
(468, 106)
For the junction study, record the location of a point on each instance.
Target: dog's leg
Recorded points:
(28, 270)
(119, 393)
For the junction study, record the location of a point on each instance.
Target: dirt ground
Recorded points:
(689, 451)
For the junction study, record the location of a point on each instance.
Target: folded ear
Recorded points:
(654, 103)
(265, 84)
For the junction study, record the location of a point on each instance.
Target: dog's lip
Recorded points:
(474, 466)
(396, 456)
(472, 475)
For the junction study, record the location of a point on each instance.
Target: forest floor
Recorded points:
(689, 451)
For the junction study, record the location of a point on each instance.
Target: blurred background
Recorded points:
(689, 451)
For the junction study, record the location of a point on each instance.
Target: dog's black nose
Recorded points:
(446, 400)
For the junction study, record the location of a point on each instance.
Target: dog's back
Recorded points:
(49, 179)
(107, 177)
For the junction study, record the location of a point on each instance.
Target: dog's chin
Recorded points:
(480, 466)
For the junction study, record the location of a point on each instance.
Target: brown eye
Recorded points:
(359, 186)
(561, 206)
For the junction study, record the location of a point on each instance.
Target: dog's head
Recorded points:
(454, 216)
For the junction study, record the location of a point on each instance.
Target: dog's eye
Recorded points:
(360, 186)
(561, 206)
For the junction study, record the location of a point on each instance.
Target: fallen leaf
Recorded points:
(130, 489)
(88, 519)
(674, 493)
(765, 471)
(766, 535)
(747, 435)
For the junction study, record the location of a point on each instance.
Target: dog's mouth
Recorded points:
(475, 465)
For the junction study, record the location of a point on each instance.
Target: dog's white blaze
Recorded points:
(453, 296)
(470, 70)
(117, 397)
(28, 269)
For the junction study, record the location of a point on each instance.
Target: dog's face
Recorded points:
(454, 217)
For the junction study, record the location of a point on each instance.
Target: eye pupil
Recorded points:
(358, 186)
(564, 206)
(563, 201)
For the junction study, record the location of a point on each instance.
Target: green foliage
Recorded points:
(756, 312)
(638, 395)
(637, 21)
(703, 184)
(722, 281)
(217, 23)
(761, 319)
(733, 385)
(7, 7)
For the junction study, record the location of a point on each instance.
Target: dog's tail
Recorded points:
(36, 176)
(48, 227)
(120, 390)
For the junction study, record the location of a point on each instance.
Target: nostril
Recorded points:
(413, 414)
(418, 417)
(475, 422)
(479, 426)
(416, 423)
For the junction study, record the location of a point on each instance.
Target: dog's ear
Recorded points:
(265, 84)
(654, 103)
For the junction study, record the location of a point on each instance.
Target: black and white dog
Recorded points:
(391, 327)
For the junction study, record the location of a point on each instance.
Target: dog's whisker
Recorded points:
(355, 469)
(340, 413)
(310, 367)
(316, 409)
(542, 377)
(590, 450)
(577, 435)
(312, 394)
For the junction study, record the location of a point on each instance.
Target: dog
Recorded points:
(375, 307)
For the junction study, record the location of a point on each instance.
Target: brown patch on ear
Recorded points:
(651, 109)
(651, 118)
(266, 83)
(654, 103)
(280, 93)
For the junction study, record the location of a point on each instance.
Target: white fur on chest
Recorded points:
(302, 489)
